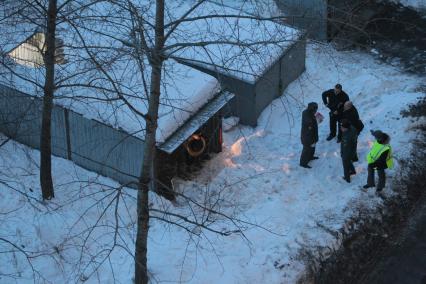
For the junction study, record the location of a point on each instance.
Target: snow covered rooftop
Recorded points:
(184, 91)
(239, 44)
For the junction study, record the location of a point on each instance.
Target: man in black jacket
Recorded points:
(309, 134)
(348, 148)
(334, 100)
(350, 113)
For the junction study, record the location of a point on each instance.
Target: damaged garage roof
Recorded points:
(194, 123)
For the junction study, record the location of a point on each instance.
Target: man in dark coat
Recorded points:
(334, 100)
(309, 134)
(350, 113)
(348, 148)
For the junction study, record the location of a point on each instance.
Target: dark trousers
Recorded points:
(355, 157)
(307, 154)
(333, 125)
(348, 168)
(381, 174)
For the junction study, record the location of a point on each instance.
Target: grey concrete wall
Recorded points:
(293, 63)
(267, 87)
(276, 79)
(243, 105)
(309, 15)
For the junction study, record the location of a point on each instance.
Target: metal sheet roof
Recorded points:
(195, 122)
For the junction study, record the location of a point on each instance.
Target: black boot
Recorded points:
(330, 137)
(380, 194)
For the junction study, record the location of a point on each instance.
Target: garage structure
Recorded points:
(100, 133)
(256, 73)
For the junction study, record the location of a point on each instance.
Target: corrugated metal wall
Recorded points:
(310, 15)
(89, 143)
(20, 118)
(100, 148)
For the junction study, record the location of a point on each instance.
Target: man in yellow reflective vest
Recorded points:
(379, 158)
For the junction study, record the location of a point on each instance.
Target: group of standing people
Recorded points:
(346, 124)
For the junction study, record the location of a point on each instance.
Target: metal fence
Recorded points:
(89, 143)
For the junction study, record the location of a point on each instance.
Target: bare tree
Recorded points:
(31, 29)
(156, 59)
(49, 85)
(150, 42)
(157, 52)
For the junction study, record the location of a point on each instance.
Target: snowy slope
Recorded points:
(415, 4)
(258, 179)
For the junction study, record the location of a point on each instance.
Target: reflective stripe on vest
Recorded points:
(376, 151)
(389, 158)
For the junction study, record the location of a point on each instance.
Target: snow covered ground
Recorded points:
(258, 179)
(415, 4)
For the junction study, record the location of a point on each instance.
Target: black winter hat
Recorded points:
(313, 106)
(383, 138)
(378, 134)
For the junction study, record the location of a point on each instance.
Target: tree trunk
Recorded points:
(46, 182)
(156, 62)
